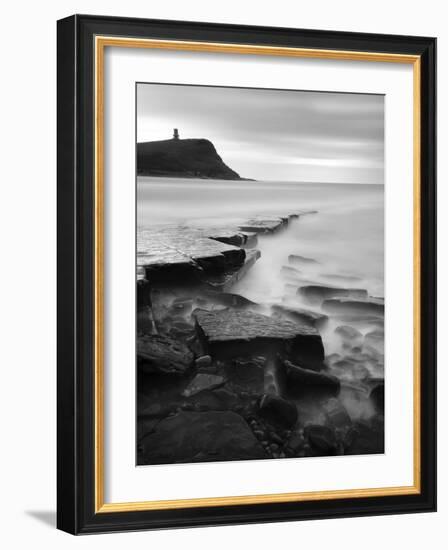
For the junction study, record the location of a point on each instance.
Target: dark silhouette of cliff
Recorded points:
(185, 158)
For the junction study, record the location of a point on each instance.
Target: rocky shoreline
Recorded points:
(223, 378)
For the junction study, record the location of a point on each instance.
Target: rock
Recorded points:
(203, 361)
(278, 411)
(350, 337)
(296, 441)
(375, 340)
(247, 373)
(145, 322)
(300, 381)
(200, 437)
(163, 355)
(332, 358)
(317, 294)
(262, 225)
(377, 397)
(203, 382)
(295, 259)
(337, 414)
(231, 334)
(219, 399)
(183, 253)
(365, 438)
(321, 438)
(348, 333)
(341, 278)
(143, 293)
(300, 315)
(289, 271)
(226, 280)
(357, 308)
(230, 300)
(182, 305)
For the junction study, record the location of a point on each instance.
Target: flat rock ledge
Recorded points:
(177, 252)
(236, 333)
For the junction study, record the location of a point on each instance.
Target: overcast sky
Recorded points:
(272, 134)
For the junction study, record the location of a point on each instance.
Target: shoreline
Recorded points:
(210, 359)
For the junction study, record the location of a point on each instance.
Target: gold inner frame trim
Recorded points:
(101, 42)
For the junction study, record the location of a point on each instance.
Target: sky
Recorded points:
(282, 135)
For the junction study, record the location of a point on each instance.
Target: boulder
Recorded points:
(298, 381)
(340, 278)
(295, 259)
(226, 279)
(375, 340)
(262, 225)
(219, 399)
(349, 333)
(203, 382)
(278, 411)
(337, 415)
(200, 437)
(247, 374)
(235, 334)
(359, 309)
(321, 438)
(316, 294)
(203, 361)
(228, 299)
(301, 315)
(163, 355)
(288, 271)
(350, 336)
(365, 438)
(143, 293)
(376, 396)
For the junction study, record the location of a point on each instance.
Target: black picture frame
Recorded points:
(76, 512)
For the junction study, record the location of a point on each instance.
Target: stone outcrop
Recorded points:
(278, 411)
(202, 382)
(186, 158)
(316, 294)
(298, 382)
(163, 355)
(301, 315)
(357, 308)
(230, 333)
(200, 437)
(295, 259)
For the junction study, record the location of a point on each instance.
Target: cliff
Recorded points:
(184, 158)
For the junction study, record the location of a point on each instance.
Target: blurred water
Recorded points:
(345, 237)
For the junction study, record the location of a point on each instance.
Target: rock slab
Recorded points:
(236, 333)
(158, 354)
(200, 437)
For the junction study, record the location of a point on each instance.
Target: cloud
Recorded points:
(273, 134)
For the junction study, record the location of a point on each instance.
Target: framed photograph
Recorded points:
(246, 274)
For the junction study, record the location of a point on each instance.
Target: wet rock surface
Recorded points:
(230, 333)
(278, 411)
(302, 315)
(163, 355)
(316, 294)
(299, 381)
(356, 308)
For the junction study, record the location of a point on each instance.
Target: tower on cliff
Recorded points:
(175, 134)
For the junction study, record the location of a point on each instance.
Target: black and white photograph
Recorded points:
(260, 273)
